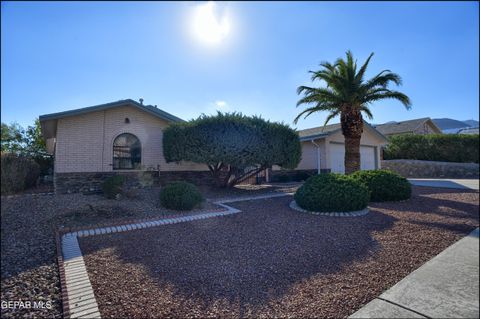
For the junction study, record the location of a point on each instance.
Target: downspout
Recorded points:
(318, 155)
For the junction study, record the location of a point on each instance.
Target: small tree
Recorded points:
(26, 142)
(238, 144)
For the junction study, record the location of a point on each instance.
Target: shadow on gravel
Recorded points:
(246, 258)
(422, 202)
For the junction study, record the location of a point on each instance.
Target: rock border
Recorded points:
(78, 298)
(293, 205)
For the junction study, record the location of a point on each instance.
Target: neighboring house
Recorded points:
(416, 126)
(468, 130)
(461, 130)
(323, 148)
(92, 143)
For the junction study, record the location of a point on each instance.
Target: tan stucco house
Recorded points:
(323, 149)
(125, 137)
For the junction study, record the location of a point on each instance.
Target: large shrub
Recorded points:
(180, 196)
(239, 146)
(113, 186)
(18, 173)
(384, 185)
(332, 193)
(462, 148)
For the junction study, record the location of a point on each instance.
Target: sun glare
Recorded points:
(208, 26)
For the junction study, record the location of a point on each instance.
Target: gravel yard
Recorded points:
(29, 270)
(272, 261)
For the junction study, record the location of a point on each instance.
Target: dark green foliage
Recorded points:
(18, 173)
(241, 144)
(384, 185)
(298, 176)
(113, 186)
(180, 196)
(332, 193)
(461, 148)
(27, 142)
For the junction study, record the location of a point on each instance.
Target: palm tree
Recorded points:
(349, 94)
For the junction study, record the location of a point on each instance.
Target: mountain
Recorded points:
(471, 123)
(446, 123)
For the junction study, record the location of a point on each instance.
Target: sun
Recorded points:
(209, 27)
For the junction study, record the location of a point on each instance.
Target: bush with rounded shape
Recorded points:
(384, 185)
(18, 173)
(332, 193)
(180, 196)
(113, 186)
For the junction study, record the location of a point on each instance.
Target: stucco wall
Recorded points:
(85, 142)
(309, 151)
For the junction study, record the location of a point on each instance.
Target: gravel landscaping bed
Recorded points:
(272, 261)
(29, 270)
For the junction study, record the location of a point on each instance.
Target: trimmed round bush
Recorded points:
(384, 185)
(113, 186)
(180, 196)
(332, 193)
(18, 173)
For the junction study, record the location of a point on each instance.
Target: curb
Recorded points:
(78, 298)
(293, 205)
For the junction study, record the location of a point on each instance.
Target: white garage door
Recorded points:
(337, 155)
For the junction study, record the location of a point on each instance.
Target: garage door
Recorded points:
(337, 155)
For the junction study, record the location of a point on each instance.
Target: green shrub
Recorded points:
(460, 148)
(18, 173)
(332, 193)
(180, 196)
(384, 185)
(113, 186)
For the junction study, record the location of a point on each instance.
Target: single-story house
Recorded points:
(92, 143)
(323, 149)
(416, 126)
(125, 137)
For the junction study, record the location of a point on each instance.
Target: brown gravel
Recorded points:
(272, 261)
(28, 254)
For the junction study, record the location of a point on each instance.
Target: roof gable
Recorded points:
(405, 126)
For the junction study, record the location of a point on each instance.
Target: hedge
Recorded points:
(332, 193)
(18, 173)
(180, 196)
(461, 148)
(384, 185)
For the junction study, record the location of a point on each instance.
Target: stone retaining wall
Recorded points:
(92, 182)
(431, 169)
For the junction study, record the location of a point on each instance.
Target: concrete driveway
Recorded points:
(446, 183)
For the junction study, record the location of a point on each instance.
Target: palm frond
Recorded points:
(367, 112)
(405, 100)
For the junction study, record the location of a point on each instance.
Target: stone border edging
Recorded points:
(293, 205)
(78, 298)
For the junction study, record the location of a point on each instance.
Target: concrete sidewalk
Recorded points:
(447, 286)
(446, 183)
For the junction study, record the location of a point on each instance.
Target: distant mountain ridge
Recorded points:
(448, 124)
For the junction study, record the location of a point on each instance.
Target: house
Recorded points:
(417, 126)
(89, 144)
(126, 137)
(323, 149)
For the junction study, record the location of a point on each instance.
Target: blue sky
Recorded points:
(59, 56)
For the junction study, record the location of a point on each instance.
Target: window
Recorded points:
(127, 152)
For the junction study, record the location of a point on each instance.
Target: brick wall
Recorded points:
(431, 169)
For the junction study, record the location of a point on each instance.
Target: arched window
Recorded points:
(127, 152)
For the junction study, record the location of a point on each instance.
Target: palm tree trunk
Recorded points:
(352, 154)
(352, 129)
